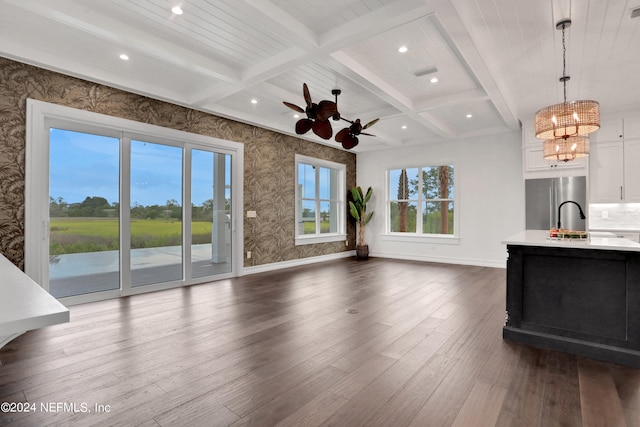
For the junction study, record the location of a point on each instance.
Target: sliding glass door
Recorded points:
(111, 212)
(84, 224)
(210, 213)
(155, 224)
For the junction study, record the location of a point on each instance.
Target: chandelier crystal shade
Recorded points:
(564, 126)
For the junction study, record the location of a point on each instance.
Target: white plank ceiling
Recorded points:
(496, 60)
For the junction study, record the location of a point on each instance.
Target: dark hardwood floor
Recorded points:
(345, 343)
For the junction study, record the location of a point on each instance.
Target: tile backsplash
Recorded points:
(614, 216)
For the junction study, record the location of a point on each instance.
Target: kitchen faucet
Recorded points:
(575, 203)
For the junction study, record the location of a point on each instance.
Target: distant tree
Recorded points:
(173, 209)
(95, 206)
(115, 210)
(58, 207)
(403, 195)
(138, 211)
(208, 204)
(443, 181)
(153, 212)
(203, 212)
(437, 183)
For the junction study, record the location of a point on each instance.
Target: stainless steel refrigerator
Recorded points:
(544, 196)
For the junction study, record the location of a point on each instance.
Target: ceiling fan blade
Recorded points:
(326, 109)
(323, 129)
(342, 134)
(303, 126)
(349, 142)
(307, 95)
(293, 107)
(371, 123)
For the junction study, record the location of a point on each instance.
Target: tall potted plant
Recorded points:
(358, 210)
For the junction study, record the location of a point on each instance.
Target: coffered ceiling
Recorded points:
(497, 61)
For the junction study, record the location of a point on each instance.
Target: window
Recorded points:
(320, 201)
(421, 200)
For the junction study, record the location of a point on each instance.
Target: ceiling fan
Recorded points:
(318, 120)
(348, 136)
(317, 115)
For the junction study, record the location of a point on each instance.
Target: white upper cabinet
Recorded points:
(606, 174)
(632, 169)
(614, 162)
(632, 126)
(611, 130)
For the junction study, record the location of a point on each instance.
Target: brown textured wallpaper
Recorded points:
(269, 169)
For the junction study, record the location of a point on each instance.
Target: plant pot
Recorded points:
(362, 252)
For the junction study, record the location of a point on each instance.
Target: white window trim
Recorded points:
(441, 239)
(341, 235)
(444, 239)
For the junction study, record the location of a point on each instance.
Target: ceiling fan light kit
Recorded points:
(318, 116)
(564, 126)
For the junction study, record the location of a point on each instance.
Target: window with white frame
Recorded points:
(320, 201)
(421, 200)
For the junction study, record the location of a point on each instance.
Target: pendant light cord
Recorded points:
(564, 64)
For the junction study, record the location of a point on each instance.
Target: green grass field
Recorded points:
(79, 235)
(76, 235)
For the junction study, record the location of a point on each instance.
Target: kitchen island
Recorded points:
(580, 296)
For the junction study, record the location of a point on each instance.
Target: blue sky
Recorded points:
(84, 165)
(307, 176)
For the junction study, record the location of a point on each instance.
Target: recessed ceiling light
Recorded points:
(434, 80)
(177, 10)
(404, 126)
(254, 101)
(296, 116)
(124, 57)
(403, 49)
(469, 115)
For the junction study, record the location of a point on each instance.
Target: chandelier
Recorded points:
(565, 149)
(564, 126)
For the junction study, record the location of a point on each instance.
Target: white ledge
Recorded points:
(24, 305)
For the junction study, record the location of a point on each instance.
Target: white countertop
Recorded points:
(596, 240)
(24, 305)
(618, 229)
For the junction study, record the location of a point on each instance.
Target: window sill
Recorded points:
(442, 239)
(311, 240)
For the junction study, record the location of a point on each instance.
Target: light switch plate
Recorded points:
(251, 214)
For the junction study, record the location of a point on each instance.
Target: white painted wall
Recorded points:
(490, 202)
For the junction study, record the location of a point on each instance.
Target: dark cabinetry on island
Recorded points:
(576, 297)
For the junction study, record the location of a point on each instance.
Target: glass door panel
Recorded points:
(156, 213)
(210, 213)
(84, 221)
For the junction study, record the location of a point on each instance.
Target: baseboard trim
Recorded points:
(295, 263)
(443, 260)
